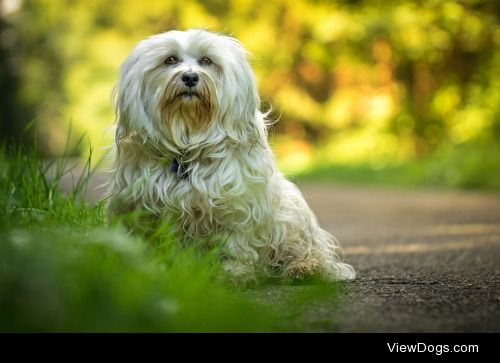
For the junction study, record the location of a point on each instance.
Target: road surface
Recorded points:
(427, 261)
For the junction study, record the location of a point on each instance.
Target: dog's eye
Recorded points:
(205, 61)
(171, 60)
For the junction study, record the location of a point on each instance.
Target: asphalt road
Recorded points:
(427, 261)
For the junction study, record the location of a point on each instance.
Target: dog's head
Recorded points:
(183, 83)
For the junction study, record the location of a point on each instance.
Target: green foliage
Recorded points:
(69, 279)
(468, 166)
(355, 82)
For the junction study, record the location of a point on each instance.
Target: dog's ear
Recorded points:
(242, 119)
(128, 99)
(121, 130)
(121, 94)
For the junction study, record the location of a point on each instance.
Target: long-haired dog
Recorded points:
(192, 151)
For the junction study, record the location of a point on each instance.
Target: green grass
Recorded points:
(470, 166)
(64, 268)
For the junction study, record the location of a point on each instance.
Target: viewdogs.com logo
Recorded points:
(437, 349)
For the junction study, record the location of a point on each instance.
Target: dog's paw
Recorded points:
(301, 270)
(238, 274)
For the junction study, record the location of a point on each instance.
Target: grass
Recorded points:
(64, 268)
(469, 166)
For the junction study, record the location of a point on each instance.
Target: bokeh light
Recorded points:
(352, 82)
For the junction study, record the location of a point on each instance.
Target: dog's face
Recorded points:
(181, 82)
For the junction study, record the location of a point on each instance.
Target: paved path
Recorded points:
(427, 261)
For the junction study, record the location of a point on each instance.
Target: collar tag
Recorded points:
(179, 169)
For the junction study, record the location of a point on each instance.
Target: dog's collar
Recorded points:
(179, 168)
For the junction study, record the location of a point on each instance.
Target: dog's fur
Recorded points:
(197, 157)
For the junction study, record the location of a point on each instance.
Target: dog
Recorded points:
(192, 152)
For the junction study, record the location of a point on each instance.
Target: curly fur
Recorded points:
(229, 184)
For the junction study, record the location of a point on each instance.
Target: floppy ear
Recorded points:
(121, 130)
(129, 100)
(242, 119)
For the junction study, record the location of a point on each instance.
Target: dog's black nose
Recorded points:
(190, 79)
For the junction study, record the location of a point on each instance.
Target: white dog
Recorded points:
(192, 151)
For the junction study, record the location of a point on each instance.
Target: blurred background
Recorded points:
(396, 92)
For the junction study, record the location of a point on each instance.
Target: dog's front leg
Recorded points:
(240, 259)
